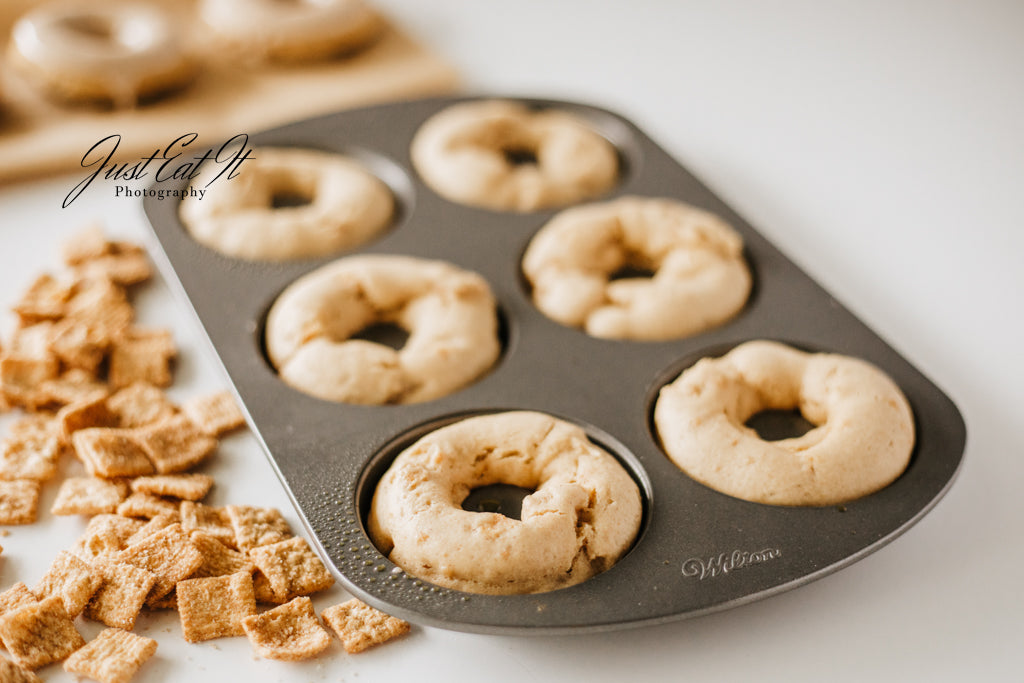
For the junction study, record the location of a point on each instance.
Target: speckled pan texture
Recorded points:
(698, 550)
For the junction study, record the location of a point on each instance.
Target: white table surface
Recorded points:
(882, 148)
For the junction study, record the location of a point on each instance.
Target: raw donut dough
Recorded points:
(348, 206)
(118, 53)
(700, 277)
(582, 517)
(463, 153)
(448, 312)
(862, 441)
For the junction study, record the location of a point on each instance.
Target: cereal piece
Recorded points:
(29, 456)
(292, 568)
(216, 414)
(155, 524)
(126, 264)
(39, 634)
(360, 626)
(74, 386)
(290, 632)
(46, 298)
(112, 657)
(256, 526)
(32, 341)
(169, 601)
(20, 378)
(18, 501)
(146, 505)
(111, 452)
(102, 306)
(73, 580)
(213, 520)
(92, 413)
(168, 553)
(120, 597)
(218, 559)
(14, 597)
(141, 356)
(80, 345)
(140, 404)
(175, 444)
(214, 607)
(262, 590)
(12, 673)
(183, 486)
(105, 535)
(88, 496)
(87, 243)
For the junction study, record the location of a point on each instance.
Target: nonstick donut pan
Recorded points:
(698, 550)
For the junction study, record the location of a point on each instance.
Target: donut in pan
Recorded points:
(449, 313)
(582, 516)
(861, 442)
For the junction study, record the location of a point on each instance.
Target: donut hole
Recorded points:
(519, 155)
(290, 199)
(386, 333)
(779, 424)
(632, 271)
(504, 499)
(91, 27)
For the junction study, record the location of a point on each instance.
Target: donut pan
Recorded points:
(698, 550)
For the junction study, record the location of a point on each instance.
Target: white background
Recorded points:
(880, 145)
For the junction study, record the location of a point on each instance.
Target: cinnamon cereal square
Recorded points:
(122, 594)
(72, 386)
(29, 457)
(72, 580)
(168, 553)
(20, 378)
(141, 356)
(213, 607)
(12, 673)
(18, 501)
(212, 520)
(140, 404)
(175, 444)
(216, 414)
(183, 486)
(146, 505)
(255, 526)
(155, 524)
(46, 298)
(292, 568)
(86, 414)
(80, 345)
(16, 596)
(39, 634)
(218, 559)
(289, 632)
(89, 496)
(105, 535)
(111, 453)
(112, 657)
(85, 244)
(360, 626)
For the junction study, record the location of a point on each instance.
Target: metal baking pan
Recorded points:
(698, 550)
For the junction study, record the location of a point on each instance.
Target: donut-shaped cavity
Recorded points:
(290, 30)
(449, 313)
(861, 442)
(581, 517)
(502, 155)
(288, 203)
(117, 53)
(699, 276)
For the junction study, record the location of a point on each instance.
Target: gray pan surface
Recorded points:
(698, 550)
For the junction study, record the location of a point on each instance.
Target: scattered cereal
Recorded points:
(213, 520)
(140, 404)
(12, 673)
(255, 526)
(121, 595)
(146, 505)
(18, 501)
(218, 559)
(289, 632)
(14, 597)
(360, 626)
(105, 535)
(216, 414)
(39, 634)
(71, 579)
(112, 657)
(292, 568)
(111, 452)
(155, 524)
(168, 553)
(214, 607)
(175, 444)
(89, 496)
(141, 356)
(183, 486)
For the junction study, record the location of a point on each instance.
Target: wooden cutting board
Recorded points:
(227, 98)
